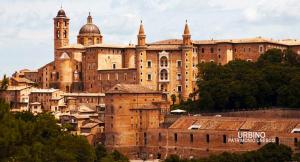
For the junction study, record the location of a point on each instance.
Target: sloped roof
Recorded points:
(246, 40)
(73, 46)
(112, 46)
(22, 80)
(84, 108)
(35, 103)
(236, 123)
(64, 56)
(287, 42)
(16, 88)
(130, 88)
(168, 41)
(90, 125)
(51, 90)
(84, 94)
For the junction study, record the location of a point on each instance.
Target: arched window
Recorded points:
(90, 41)
(58, 34)
(164, 74)
(164, 61)
(67, 88)
(98, 40)
(65, 34)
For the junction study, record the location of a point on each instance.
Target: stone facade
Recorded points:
(129, 110)
(135, 125)
(169, 66)
(45, 98)
(17, 97)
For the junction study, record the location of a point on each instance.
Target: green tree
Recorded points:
(27, 138)
(241, 85)
(100, 152)
(4, 83)
(173, 98)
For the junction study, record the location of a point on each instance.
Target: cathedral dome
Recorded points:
(89, 27)
(61, 13)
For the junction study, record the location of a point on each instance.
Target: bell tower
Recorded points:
(61, 31)
(141, 55)
(187, 62)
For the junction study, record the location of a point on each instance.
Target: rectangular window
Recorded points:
(145, 138)
(191, 138)
(149, 64)
(261, 48)
(224, 139)
(179, 88)
(203, 50)
(175, 137)
(125, 76)
(179, 63)
(178, 76)
(149, 77)
(117, 76)
(159, 137)
(207, 138)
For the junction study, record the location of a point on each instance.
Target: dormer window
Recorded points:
(296, 130)
(194, 127)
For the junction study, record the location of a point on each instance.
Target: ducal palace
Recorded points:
(120, 94)
(169, 66)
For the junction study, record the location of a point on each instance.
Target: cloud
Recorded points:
(27, 33)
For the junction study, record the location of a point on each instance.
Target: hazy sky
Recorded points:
(26, 31)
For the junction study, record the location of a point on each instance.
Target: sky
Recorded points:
(26, 26)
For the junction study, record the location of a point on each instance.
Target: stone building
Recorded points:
(131, 109)
(134, 125)
(85, 122)
(17, 97)
(169, 66)
(191, 137)
(45, 98)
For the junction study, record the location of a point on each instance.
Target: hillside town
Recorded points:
(123, 96)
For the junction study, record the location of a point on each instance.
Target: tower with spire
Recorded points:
(141, 55)
(187, 62)
(186, 35)
(61, 31)
(141, 35)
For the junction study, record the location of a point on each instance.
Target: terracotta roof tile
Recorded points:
(236, 123)
(130, 88)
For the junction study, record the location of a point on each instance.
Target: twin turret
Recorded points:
(142, 37)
